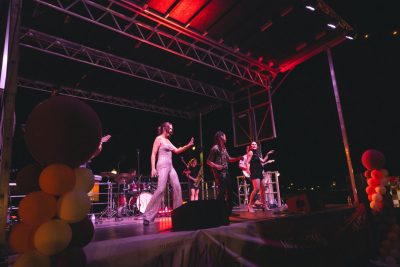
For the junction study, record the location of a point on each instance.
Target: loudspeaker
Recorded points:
(305, 203)
(199, 215)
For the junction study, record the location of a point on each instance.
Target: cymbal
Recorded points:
(123, 178)
(107, 174)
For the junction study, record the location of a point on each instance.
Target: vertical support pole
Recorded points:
(8, 106)
(278, 190)
(233, 124)
(272, 112)
(342, 126)
(238, 191)
(201, 153)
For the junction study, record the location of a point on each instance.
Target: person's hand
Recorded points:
(270, 161)
(270, 152)
(218, 167)
(191, 142)
(154, 173)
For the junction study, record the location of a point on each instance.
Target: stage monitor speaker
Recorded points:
(199, 214)
(305, 203)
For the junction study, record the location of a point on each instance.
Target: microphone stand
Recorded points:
(139, 179)
(138, 161)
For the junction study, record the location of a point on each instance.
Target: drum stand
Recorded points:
(124, 209)
(136, 208)
(109, 211)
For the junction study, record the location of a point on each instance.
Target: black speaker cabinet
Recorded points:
(199, 215)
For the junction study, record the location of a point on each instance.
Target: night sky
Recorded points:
(308, 147)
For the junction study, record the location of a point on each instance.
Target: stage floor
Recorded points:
(113, 228)
(263, 238)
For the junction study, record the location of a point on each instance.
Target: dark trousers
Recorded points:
(225, 191)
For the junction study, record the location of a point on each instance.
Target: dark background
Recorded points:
(308, 149)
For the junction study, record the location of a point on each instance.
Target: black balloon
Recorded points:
(64, 130)
(70, 257)
(82, 233)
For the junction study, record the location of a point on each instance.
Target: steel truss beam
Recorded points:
(135, 22)
(117, 101)
(60, 47)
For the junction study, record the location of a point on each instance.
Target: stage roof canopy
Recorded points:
(175, 57)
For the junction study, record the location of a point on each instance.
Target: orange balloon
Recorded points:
(37, 207)
(57, 179)
(377, 197)
(21, 237)
(52, 237)
(380, 190)
(73, 206)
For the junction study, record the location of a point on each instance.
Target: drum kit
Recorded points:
(132, 197)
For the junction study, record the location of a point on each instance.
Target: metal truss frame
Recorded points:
(141, 24)
(63, 48)
(117, 101)
(260, 117)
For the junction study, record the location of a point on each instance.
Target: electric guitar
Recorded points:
(105, 138)
(199, 176)
(186, 170)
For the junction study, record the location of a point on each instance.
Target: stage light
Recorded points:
(331, 25)
(395, 33)
(310, 7)
(266, 25)
(350, 35)
(193, 148)
(114, 171)
(366, 36)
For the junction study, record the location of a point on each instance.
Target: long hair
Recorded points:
(191, 161)
(256, 152)
(161, 128)
(217, 137)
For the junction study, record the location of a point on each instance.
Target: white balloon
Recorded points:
(73, 206)
(84, 179)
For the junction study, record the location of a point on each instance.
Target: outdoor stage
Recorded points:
(330, 237)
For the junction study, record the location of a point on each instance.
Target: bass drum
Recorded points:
(141, 201)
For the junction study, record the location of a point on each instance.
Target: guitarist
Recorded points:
(193, 173)
(218, 160)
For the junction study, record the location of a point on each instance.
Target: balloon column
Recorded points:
(374, 161)
(61, 134)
